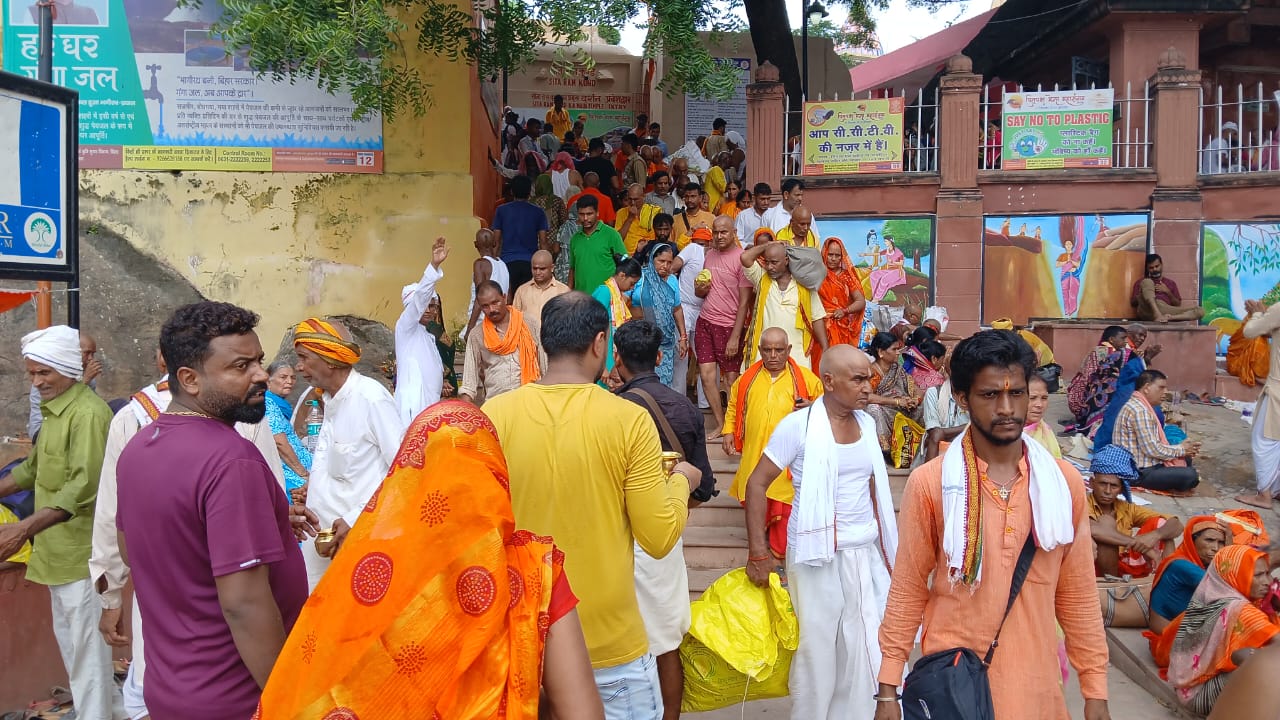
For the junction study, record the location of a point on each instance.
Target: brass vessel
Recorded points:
(670, 460)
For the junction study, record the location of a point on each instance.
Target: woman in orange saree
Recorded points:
(435, 605)
(1222, 627)
(842, 295)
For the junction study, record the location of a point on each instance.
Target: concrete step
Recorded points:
(717, 516)
(715, 548)
(1130, 653)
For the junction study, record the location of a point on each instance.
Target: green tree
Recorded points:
(335, 43)
(609, 34)
(913, 237)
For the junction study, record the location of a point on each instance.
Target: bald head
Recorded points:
(846, 378)
(723, 234)
(801, 221)
(591, 180)
(776, 262)
(775, 348)
(541, 266)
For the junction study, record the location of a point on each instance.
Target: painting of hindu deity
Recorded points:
(1239, 261)
(894, 254)
(1061, 266)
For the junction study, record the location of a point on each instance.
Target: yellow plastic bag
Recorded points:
(908, 435)
(739, 645)
(24, 553)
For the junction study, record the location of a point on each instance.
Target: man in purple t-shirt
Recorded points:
(206, 528)
(717, 336)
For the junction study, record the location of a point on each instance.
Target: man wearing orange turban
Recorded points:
(358, 440)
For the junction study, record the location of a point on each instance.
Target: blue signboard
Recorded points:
(37, 180)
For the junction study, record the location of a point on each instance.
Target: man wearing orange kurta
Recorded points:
(768, 391)
(971, 555)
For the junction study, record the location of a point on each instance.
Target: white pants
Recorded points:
(316, 565)
(1266, 452)
(85, 655)
(839, 607)
(662, 591)
(134, 706)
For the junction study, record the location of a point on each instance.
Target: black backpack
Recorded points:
(953, 684)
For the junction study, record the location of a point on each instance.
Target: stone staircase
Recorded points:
(715, 538)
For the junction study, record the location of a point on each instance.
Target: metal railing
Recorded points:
(1131, 125)
(1240, 135)
(919, 133)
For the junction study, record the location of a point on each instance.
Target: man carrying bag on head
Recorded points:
(995, 505)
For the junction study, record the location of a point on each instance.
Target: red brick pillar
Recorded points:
(766, 111)
(1176, 208)
(958, 251)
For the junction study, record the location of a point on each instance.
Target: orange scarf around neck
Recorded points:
(518, 340)
(744, 386)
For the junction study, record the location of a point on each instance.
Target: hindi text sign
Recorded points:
(1059, 129)
(852, 136)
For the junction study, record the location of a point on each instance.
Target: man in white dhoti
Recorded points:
(107, 568)
(841, 541)
(1265, 322)
(419, 371)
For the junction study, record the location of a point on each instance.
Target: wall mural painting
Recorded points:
(1239, 261)
(895, 253)
(1061, 266)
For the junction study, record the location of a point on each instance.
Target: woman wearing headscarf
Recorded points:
(1222, 627)
(1177, 578)
(559, 243)
(476, 628)
(551, 203)
(843, 294)
(657, 298)
(1091, 389)
(563, 175)
(613, 294)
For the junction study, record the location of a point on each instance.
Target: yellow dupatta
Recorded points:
(803, 323)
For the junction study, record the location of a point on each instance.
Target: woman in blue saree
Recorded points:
(657, 298)
(294, 456)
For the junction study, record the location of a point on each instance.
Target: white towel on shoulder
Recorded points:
(1050, 503)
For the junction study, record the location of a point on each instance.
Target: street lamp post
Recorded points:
(813, 12)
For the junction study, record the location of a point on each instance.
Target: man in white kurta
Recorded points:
(419, 370)
(1265, 322)
(358, 441)
(841, 540)
(107, 568)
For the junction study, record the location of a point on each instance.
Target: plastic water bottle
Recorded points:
(314, 419)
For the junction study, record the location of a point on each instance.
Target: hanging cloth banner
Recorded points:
(10, 299)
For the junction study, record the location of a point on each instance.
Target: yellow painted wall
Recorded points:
(290, 245)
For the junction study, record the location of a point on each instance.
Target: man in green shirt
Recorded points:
(592, 248)
(63, 470)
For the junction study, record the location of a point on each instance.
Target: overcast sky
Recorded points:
(897, 26)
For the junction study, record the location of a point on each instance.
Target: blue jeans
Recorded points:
(630, 691)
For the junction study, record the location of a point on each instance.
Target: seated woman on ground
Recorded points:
(1128, 539)
(893, 392)
(923, 358)
(1182, 570)
(1224, 625)
(944, 419)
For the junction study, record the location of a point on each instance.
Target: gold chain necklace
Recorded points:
(188, 413)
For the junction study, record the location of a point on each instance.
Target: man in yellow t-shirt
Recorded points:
(799, 227)
(586, 469)
(634, 221)
(558, 119)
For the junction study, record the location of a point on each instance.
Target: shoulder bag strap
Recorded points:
(664, 425)
(1019, 575)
